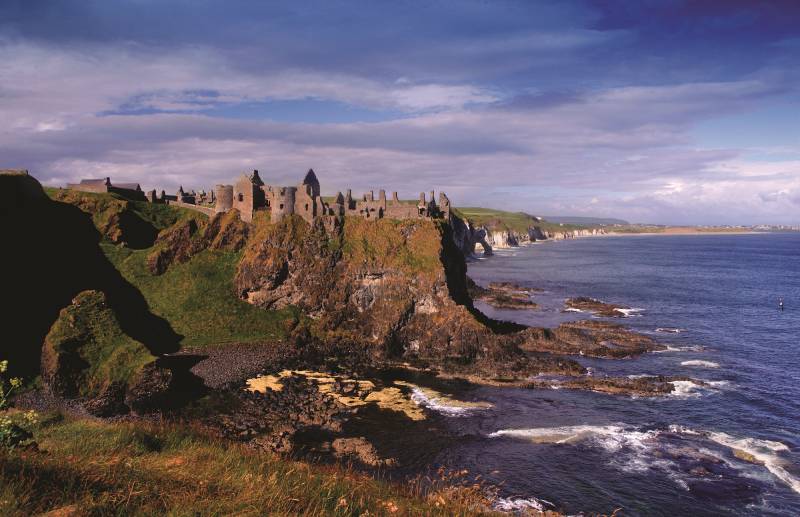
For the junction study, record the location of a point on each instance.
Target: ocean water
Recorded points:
(729, 448)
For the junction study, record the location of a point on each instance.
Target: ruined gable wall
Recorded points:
(305, 203)
(243, 192)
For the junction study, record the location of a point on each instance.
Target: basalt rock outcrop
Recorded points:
(186, 238)
(467, 237)
(396, 288)
(503, 295)
(600, 308)
(591, 338)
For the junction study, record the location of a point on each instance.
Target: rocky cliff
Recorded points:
(497, 235)
(384, 290)
(467, 236)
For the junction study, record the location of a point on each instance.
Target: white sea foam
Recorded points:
(670, 330)
(572, 309)
(444, 405)
(701, 364)
(610, 437)
(684, 389)
(635, 449)
(519, 504)
(670, 348)
(764, 452)
(691, 389)
(627, 313)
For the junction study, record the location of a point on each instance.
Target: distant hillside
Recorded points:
(588, 221)
(516, 221)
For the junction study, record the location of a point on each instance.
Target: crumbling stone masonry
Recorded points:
(250, 194)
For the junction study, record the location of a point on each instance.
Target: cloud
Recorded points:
(548, 110)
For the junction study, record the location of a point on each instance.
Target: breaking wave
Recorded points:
(520, 504)
(610, 437)
(443, 404)
(670, 348)
(691, 389)
(764, 452)
(676, 450)
(699, 363)
(627, 313)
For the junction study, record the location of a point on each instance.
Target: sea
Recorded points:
(730, 446)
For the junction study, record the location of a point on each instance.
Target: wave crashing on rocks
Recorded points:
(688, 457)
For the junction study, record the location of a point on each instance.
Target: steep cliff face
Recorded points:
(499, 238)
(395, 288)
(573, 234)
(468, 237)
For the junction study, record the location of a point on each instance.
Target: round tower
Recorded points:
(224, 195)
(284, 203)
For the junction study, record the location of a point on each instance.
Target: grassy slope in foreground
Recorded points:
(87, 467)
(516, 221)
(196, 298)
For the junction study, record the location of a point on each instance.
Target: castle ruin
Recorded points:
(104, 185)
(250, 194)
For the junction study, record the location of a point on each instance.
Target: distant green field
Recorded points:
(516, 221)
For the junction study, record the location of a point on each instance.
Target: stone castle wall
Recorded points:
(250, 194)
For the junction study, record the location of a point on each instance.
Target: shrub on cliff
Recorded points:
(14, 429)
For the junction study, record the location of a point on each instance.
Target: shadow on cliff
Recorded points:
(455, 269)
(51, 253)
(139, 234)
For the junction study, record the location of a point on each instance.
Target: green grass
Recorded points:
(197, 298)
(516, 221)
(91, 326)
(412, 246)
(99, 468)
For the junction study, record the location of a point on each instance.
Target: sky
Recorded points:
(657, 111)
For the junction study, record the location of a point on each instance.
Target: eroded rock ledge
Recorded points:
(503, 295)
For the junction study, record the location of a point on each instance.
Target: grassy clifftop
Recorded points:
(515, 221)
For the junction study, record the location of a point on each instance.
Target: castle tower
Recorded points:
(224, 195)
(283, 203)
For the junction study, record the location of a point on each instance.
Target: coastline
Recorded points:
(687, 232)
